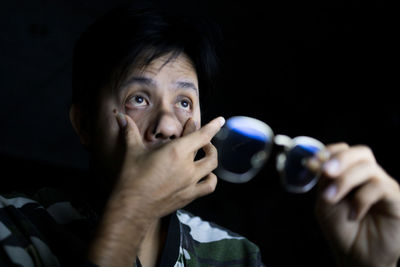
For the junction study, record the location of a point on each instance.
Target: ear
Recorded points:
(78, 118)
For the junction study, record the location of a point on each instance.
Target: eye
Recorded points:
(137, 101)
(185, 104)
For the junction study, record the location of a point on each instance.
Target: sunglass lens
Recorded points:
(243, 147)
(297, 177)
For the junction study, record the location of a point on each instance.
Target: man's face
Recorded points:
(160, 99)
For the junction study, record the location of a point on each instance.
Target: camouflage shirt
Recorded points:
(48, 229)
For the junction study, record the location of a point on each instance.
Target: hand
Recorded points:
(156, 182)
(151, 184)
(358, 207)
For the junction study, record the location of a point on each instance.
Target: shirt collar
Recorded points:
(171, 249)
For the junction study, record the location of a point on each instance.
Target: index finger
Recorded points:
(203, 136)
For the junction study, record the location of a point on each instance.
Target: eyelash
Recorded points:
(133, 98)
(189, 103)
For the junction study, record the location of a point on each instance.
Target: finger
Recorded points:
(364, 198)
(131, 131)
(190, 127)
(345, 159)
(202, 137)
(206, 186)
(208, 163)
(335, 148)
(316, 162)
(349, 180)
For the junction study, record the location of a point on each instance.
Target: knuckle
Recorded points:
(211, 183)
(368, 167)
(366, 150)
(335, 146)
(213, 150)
(214, 162)
(342, 144)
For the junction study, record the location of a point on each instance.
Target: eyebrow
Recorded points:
(187, 85)
(150, 82)
(139, 80)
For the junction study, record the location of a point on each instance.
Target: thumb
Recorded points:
(131, 131)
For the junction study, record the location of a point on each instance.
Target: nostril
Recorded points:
(161, 136)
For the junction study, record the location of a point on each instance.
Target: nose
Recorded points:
(165, 127)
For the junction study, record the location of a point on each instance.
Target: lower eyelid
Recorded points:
(190, 105)
(132, 97)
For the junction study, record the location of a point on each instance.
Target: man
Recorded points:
(137, 79)
(136, 108)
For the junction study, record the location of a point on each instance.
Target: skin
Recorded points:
(358, 207)
(145, 141)
(152, 128)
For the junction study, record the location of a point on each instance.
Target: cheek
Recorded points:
(183, 116)
(107, 129)
(107, 125)
(143, 118)
(140, 117)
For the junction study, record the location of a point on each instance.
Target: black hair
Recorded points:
(119, 40)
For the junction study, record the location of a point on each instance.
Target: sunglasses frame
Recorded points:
(259, 159)
(289, 143)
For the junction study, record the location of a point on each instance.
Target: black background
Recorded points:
(305, 69)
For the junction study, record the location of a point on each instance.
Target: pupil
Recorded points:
(184, 104)
(139, 99)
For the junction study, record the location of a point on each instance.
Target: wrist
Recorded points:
(120, 232)
(130, 205)
(117, 239)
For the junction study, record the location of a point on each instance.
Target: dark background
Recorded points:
(305, 69)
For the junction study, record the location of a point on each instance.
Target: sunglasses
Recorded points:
(244, 145)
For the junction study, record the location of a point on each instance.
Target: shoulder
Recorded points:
(59, 206)
(211, 243)
(22, 220)
(45, 224)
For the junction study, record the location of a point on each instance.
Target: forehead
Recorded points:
(168, 69)
(166, 66)
(171, 71)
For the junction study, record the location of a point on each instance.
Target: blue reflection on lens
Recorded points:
(297, 175)
(246, 127)
(311, 149)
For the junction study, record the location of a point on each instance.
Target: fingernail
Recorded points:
(312, 164)
(332, 166)
(121, 120)
(330, 192)
(221, 121)
(323, 155)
